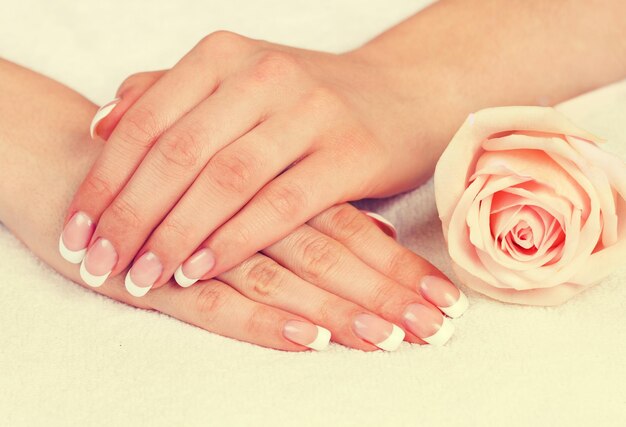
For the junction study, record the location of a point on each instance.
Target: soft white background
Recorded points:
(71, 357)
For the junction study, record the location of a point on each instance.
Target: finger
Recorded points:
(284, 204)
(171, 167)
(381, 222)
(323, 261)
(263, 280)
(109, 115)
(168, 99)
(218, 308)
(348, 226)
(230, 179)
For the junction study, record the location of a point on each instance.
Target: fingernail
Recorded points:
(143, 274)
(382, 334)
(98, 263)
(195, 267)
(102, 112)
(450, 299)
(75, 237)
(307, 334)
(385, 225)
(428, 323)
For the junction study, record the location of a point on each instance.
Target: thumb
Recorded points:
(108, 116)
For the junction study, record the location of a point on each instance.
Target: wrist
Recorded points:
(419, 102)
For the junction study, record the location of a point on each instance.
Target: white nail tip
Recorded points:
(183, 280)
(322, 339)
(444, 333)
(458, 308)
(133, 289)
(75, 257)
(393, 341)
(102, 112)
(90, 279)
(382, 219)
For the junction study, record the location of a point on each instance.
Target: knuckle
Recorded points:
(241, 236)
(287, 200)
(173, 230)
(232, 172)
(257, 323)
(139, 126)
(264, 277)
(122, 212)
(232, 237)
(209, 300)
(274, 65)
(180, 148)
(356, 140)
(326, 311)
(221, 41)
(384, 299)
(323, 99)
(348, 220)
(98, 187)
(319, 257)
(400, 265)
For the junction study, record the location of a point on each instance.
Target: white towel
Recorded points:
(71, 357)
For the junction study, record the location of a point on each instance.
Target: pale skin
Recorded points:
(263, 137)
(46, 152)
(367, 123)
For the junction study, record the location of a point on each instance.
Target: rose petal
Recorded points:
(457, 234)
(609, 258)
(614, 167)
(592, 180)
(456, 164)
(543, 297)
(537, 165)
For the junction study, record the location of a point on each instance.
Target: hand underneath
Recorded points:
(340, 276)
(233, 148)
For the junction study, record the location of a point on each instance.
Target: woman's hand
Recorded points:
(237, 145)
(340, 271)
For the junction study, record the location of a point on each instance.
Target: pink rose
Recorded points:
(533, 211)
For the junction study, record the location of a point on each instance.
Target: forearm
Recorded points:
(45, 151)
(458, 56)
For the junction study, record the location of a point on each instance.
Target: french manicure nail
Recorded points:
(98, 263)
(382, 334)
(195, 267)
(75, 237)
(428, 323)
(102, 112)
(143, 274)
(385, 225)
(307, 334)
(450, 299)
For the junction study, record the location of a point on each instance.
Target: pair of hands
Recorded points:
(231, 150)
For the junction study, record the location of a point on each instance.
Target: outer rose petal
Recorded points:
(608, 259)
(545, 296)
